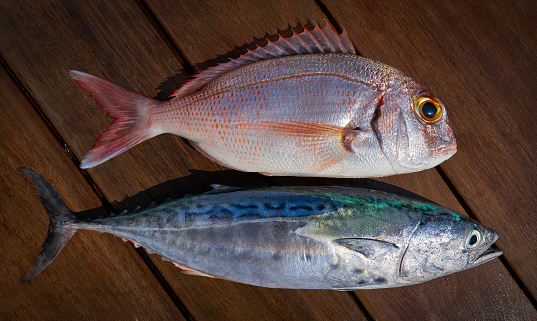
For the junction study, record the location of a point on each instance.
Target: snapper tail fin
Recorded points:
(130, 113)
(60, 216)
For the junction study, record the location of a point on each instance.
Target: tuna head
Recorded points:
(413, 127)
(443, 244)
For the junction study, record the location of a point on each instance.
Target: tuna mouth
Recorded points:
(487, 255)
(450, 148)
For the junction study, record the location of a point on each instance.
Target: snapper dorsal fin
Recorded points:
(318, 40)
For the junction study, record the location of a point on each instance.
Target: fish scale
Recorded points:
(305, 105)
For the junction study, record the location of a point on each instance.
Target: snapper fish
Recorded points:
(307, 105)
(337, 238)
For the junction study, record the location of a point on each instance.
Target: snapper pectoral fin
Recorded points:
(325, 144)
(370, 248)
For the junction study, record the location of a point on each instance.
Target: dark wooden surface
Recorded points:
(479, 57)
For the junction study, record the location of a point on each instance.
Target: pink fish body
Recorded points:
(305, 105)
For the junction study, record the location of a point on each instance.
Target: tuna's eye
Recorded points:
(428, 108)
(473, 239)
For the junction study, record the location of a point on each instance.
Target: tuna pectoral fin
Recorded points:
(370, 248)
(60, 215)
(326, 144)
(130, 114)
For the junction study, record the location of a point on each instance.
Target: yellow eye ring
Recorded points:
(428, 108)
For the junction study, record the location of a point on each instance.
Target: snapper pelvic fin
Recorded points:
(318, 40)
(60, 216)
(130, 114)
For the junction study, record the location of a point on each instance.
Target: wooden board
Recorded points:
(143, 47)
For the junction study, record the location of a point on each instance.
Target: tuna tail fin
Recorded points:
(60, 215)
(130, 114)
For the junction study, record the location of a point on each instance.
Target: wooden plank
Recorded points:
(423, 300)
(117, 42)
(87, 270)
(479, 58)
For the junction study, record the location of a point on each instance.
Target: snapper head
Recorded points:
(413, 126)
(444, 244)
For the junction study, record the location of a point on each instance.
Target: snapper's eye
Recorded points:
(473, 239)
(428, 108)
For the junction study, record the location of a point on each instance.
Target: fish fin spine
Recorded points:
(318, 40)
(130, 112)
(59, 230)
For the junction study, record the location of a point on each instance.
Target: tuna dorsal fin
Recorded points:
(318, 40)
(370, 248)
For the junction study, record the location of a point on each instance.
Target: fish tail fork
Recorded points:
(131, 123)
(60, 215)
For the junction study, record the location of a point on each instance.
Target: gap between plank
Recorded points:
(471, 213)
(152, 18)
(361, 306)
(108, 207)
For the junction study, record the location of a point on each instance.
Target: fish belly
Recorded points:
(266, 254)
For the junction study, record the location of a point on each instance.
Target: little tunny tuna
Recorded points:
(290, 237)
(306, 105)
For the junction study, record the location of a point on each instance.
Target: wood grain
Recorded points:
(91, 268)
